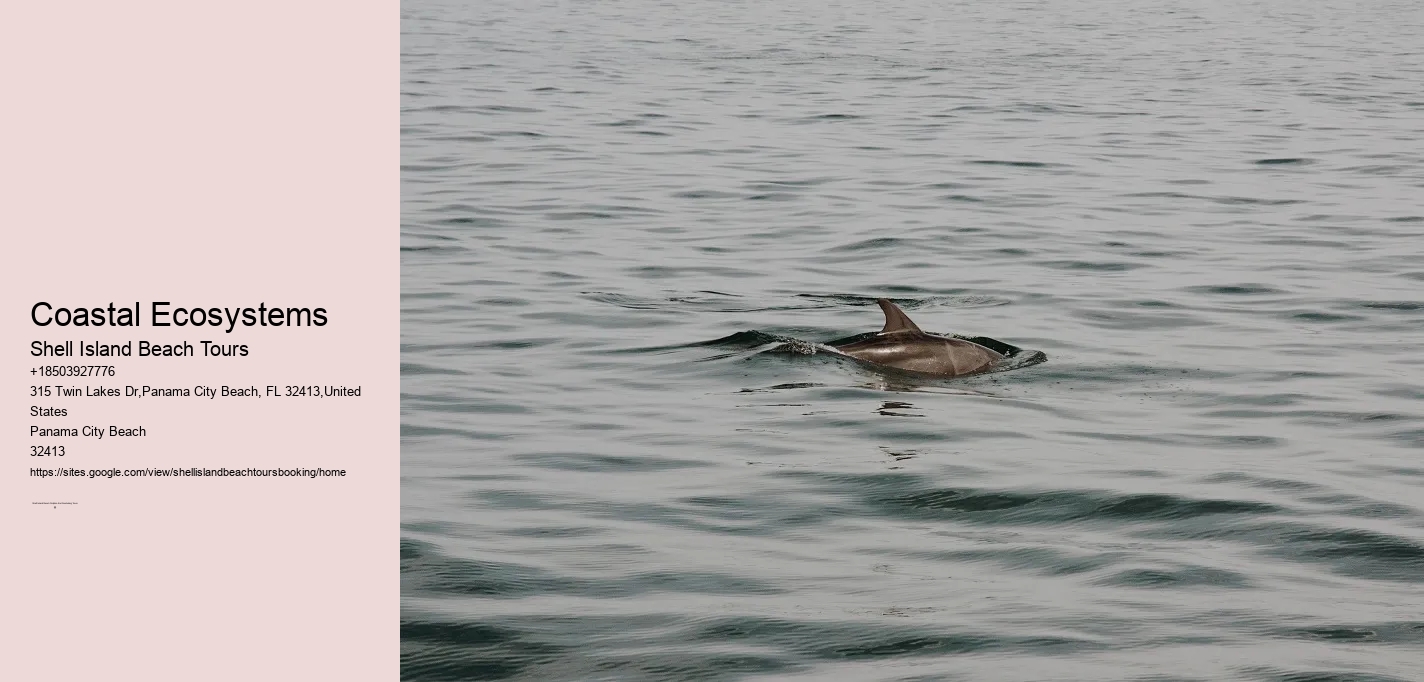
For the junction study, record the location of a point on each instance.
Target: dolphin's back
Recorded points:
(917, 351)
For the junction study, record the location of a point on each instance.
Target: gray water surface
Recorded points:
(1209, 216)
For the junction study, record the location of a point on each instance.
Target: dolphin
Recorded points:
(902, 345)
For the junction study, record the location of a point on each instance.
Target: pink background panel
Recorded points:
(209, 155)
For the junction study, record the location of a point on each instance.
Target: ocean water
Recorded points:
(1208, 216)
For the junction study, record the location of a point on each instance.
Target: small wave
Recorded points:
(1093, 266)
(876, 243)
(1293, 161)
(1017, 164)
(1235, 289)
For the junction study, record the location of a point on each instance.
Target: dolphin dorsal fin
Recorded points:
(895, 319)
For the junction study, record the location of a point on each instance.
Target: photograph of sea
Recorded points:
(912, 340)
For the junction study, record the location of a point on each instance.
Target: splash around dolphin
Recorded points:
(899, 348)
(901, 345)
